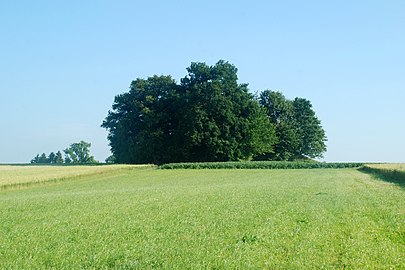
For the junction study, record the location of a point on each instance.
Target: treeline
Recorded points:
(76, 153)
(52, 158)
(209, 116)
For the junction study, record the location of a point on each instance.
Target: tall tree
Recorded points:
(309, 129)
(281, 113)
(208, 117)
(299, 132)
(222, 121)
(142, 124)
(51, 158)
(43, 159)
(58, 158)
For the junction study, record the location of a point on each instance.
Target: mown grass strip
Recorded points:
(261, 165)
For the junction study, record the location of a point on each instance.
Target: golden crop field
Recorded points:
(11, 175)
(388, 166)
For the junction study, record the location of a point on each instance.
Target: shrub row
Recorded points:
(260, 165)
(391, 175)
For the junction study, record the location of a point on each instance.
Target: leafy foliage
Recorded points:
(309, 129)
(281, 113)
(298, 130)
(76, 153)
(58, 158)
(208, 117)
(142, 123)
(261, 165)
(111, 160)
(223, 121)
(79, 153)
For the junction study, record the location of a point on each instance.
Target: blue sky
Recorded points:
(62, 63)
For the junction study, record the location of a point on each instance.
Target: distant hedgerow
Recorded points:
(260, 165)
(390, 172)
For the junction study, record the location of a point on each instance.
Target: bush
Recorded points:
(260, 165)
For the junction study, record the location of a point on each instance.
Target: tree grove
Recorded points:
(208, 116)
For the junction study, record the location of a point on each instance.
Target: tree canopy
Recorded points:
(79, 153)
(299, 132)
(208, 116)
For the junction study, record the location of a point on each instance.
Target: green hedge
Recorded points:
(260, 165)
(387, 174)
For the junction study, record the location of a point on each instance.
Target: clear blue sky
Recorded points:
(62, 63)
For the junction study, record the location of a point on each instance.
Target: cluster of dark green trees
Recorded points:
(209, 116)
(76, 153)
(52, 158)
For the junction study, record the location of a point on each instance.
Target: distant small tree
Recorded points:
(67, 160)
(58, 158)
(51, 158)
(43, 159)
(79, 153)
(110, 160)
(70, 156)
(35, 159)
(76, 153)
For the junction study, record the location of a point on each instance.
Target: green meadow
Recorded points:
(128, 217)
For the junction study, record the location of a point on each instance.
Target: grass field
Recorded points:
(205, 219)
